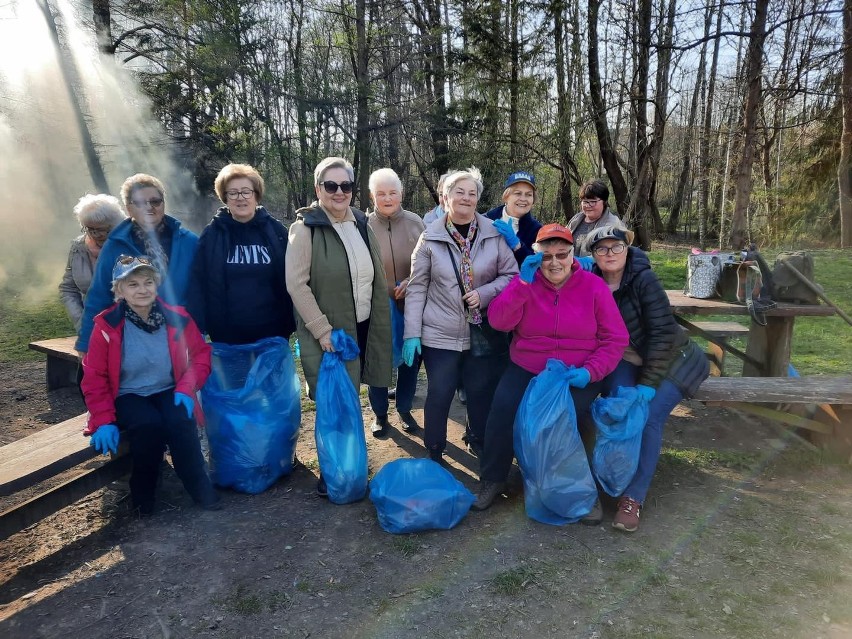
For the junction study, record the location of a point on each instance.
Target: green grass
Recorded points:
(513, 581)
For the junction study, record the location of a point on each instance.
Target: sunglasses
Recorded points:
(154, 202)
(331, 187)
(564, 255)
(124, 260)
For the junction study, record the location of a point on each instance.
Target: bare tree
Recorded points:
(844, 167)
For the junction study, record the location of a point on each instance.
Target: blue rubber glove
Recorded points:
(410, 348)
(646, 392)
(529, 266)
(505, 229)
(586, 262)
(105, 439)
(579, 377)
(186, 401)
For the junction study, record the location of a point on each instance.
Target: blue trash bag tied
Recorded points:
(558, 484)
(411, 495)
(339, 426)
(397, 332)
(251, 402)
(620, 420)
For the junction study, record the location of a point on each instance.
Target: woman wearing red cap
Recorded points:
(555, 310)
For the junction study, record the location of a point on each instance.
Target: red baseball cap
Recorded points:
(554, 232)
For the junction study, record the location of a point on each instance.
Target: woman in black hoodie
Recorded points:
(238, 293)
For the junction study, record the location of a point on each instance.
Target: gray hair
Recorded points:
(539, 247)
(333, 163)
(442, 181)
(99, 209)
(384, 176)
(471, 174)
(158, 279)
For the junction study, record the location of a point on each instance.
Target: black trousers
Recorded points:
(151, 423)
(445, 370)
(499, 432)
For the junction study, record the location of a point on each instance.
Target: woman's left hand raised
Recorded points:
(472, 299)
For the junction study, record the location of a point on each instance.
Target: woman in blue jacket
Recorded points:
(513, 219)
(147, 232)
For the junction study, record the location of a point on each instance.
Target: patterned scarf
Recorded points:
(153, 246)
(155, 318)
(466, 266)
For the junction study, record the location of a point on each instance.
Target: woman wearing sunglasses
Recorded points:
(239, 293)
(594, 213)
(145, 364)
(149, 232)
(555, 310)
(97, 216)
(661, 362)
(336, 278)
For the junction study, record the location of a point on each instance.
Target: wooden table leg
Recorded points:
(771, 345)
(61, 373)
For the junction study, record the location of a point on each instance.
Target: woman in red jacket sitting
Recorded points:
(145, 363)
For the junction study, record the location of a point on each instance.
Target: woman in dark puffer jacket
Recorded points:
(661, 361)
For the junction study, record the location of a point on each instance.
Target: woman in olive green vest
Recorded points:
(336, 278)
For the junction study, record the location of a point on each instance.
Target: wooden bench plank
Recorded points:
(61, 347)
(777, 390)
(62, 361)
(722, 329)
(34, 458)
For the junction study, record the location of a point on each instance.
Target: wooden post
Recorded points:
(770, 344)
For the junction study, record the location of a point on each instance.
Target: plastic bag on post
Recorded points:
(558, 484)
(397, 331)
(620, 420)
(339, 429)
(411, 495)
(251, 402)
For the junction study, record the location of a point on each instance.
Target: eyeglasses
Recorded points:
(154, 202)
(94, 230)
(236, 195)
(564, 255)
(604, 250)
(331, 186)
(589, 202)
(124, 260)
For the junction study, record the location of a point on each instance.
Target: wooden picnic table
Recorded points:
(768, 346)
(62, 361)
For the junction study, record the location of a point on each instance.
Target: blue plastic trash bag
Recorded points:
(620, 420)
(397, 331)
(417, 494)
(558, 484)
(251, 402)
(339, 429)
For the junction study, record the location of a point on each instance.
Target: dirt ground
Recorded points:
(746, 537)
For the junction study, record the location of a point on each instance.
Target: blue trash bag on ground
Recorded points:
(251, 402)
(411, 495)
(397, 331)
(558, 484)
(620, 420)
(339, 427)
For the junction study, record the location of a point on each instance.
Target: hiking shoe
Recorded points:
(380, 426)
(595, 515)
(409, 424)
(322, 488)
(436, 455)
(488, 492)
(627, 516)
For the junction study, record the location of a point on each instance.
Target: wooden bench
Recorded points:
(820, 404)
(716, 350)
(44, 455)
(62, 361)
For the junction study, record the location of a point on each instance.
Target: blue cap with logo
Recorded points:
(127, 264)
(519, 176)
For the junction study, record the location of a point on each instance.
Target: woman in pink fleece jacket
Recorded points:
(555, 310)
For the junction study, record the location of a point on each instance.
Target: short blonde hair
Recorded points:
(140, 181)
(471, 174)
(505, 195)
(232, 171)
(333, 162)
(99, 209)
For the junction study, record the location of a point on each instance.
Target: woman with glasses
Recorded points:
(337, 280)
(239, 292)
(661, 362)
(149, 232)
(146, 362)
(97, 215)
(594, 213)
(459, 266)
(555, 310)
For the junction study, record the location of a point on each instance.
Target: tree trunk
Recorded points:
(752, 77)
(844, 167)
(362, 80)
(103, 26)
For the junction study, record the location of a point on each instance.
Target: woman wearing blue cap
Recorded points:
(513, 219)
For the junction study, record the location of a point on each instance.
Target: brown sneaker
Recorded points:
(627, 516)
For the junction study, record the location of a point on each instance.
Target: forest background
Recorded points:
(720, 121)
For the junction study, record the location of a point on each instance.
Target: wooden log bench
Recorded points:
(27, 462)
(821, 405)
(722, 331)
(62, 361)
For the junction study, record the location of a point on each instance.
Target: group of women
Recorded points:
(486, 300)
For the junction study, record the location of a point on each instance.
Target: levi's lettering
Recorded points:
(249, 254)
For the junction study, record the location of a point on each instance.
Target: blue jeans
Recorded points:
(668, 396)
(406, 385)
